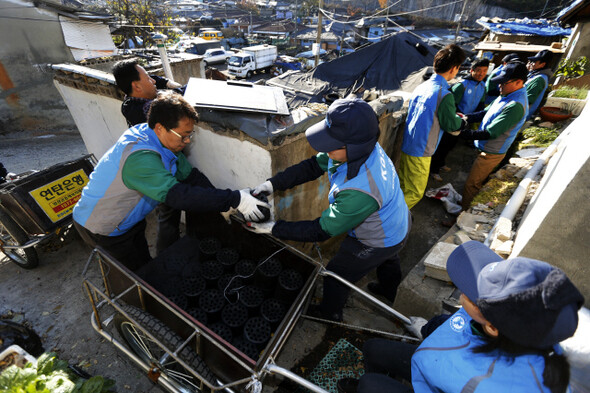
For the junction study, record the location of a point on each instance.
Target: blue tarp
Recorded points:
(541, 27)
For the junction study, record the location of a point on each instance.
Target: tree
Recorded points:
(141, 15)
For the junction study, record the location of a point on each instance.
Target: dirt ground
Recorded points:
(51, 299)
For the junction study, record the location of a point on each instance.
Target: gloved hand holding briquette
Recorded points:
(251, 207)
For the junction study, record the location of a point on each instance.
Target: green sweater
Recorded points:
(510, 115)
(350, 207)
(447, 114)
(144, 171)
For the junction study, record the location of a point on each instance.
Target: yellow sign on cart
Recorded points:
(57, 199)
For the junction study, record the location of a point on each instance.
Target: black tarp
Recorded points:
(381, 66)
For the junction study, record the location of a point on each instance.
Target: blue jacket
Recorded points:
(472, 95)
(107, 207)
(502, 143)
(377, 177)
(422, 133)
(445, 363)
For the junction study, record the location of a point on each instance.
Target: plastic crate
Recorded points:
(44, 200)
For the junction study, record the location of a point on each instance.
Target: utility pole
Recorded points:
(318, 39)
(460, 20)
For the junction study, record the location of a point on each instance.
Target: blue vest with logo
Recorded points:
(377, 177)
(107, 207)
(422, 133)
(502, 143)
(533, 106)
(472, 95)
(444, 362)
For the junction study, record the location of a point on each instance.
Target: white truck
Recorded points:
(251, 59)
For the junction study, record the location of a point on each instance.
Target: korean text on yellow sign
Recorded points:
(57, 199)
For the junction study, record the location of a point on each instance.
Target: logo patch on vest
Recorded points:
(457, 323)
(469, 91)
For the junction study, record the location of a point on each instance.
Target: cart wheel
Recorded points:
(13, 235)
(151, 353)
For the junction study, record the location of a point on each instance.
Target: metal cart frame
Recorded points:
(118, 288)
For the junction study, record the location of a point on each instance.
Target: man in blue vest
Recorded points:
(144, 168)
(430, 113)
(500, 123)
(469, 96)
(505, 338)
(140, 90)
(366, 202)
(538, 79)
(492, 91)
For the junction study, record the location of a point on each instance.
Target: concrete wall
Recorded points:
(579, 42)
(555, 227)
(31, 38)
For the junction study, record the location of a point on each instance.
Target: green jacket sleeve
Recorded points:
(534, 88)
(350, 208)
(458, 90)
(183, 167)
(447, 114)
(144, 171)
(510, 115)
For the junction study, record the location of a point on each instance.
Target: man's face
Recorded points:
(170, 140)
(535, 65)
(338, 154)
(478, 73)
(471, 309)
(145, 87)
(454, 71)
(510, 86)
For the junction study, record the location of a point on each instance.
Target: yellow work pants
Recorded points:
(413, 177)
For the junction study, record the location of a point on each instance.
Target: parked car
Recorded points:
(211, 34)
(216, 55)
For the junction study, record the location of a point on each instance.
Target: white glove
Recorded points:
(249, 206)
(416, 324)
(226, 214)
(262, 228)
(264, 188)
(173, 85)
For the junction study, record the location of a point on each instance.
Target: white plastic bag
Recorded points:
(450, 198)
(577, 351)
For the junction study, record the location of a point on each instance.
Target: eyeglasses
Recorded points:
(186, 138)
(509, 82)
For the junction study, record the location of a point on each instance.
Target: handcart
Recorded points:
(173, 345)
(38, 205)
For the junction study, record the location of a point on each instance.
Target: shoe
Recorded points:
(375, 288)
(437, 177)
(315, 311)
(445, 168)
(347, 385)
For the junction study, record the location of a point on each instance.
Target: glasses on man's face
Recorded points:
(186, 138)
(508, 82)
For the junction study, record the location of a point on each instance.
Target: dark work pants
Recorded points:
(168, 230)
(384, 361)
(130, 248)
(446, 144)
(355, 260)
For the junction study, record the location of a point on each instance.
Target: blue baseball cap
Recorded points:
(348, 122)
(544, 56)
(531, 302)
(510, 57)
(512, 70)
